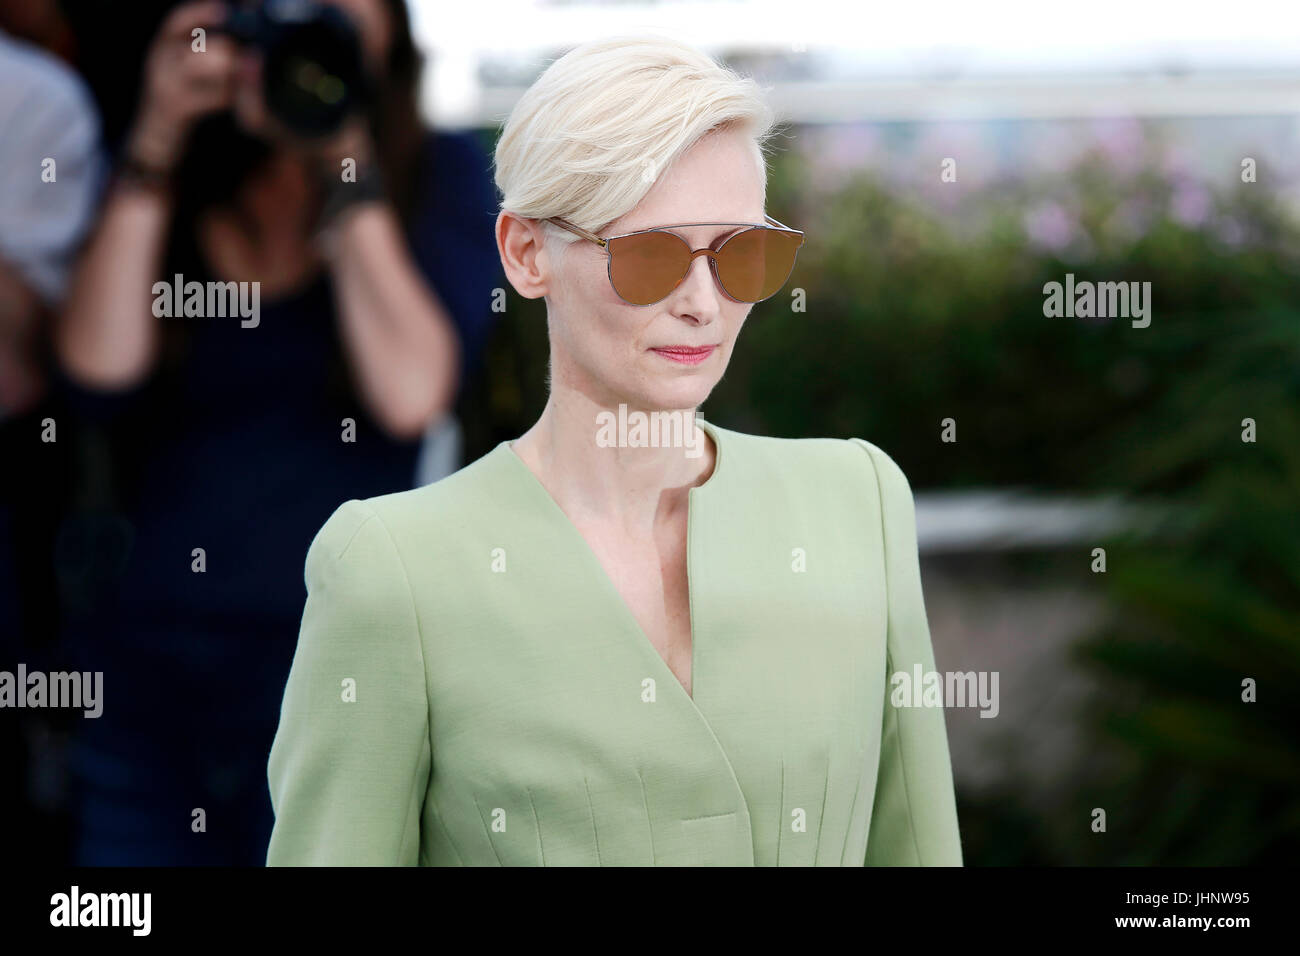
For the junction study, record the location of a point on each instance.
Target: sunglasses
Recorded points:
(646, 266)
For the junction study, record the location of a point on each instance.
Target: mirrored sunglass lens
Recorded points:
(754, 264)
(646, 267)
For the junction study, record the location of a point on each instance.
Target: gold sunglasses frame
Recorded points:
(711, 253)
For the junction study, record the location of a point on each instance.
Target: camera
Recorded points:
(313, 73)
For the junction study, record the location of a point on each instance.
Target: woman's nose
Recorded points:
(698, 291)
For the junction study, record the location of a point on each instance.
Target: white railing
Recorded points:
(1003, 520)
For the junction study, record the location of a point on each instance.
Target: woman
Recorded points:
(364, 278)
(592, 648)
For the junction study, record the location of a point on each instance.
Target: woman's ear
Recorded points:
(521, 244)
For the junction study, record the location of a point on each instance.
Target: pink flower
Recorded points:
(1190, 204)
(1049, 226)
(1121, 141)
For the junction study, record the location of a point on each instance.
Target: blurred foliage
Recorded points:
(1209, 779)
(919, 309)
(914, 315)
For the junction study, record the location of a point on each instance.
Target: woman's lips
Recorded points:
(686, 355)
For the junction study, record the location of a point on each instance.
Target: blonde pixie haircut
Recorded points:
(590, 137)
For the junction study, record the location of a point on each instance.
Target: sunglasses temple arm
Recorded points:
(577, 231)
(782, 225)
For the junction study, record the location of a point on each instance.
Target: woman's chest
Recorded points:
(649, 576)
(551, 708)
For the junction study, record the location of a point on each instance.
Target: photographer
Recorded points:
(224, 441)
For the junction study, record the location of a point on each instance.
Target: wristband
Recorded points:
(132, 171)
(340, 195)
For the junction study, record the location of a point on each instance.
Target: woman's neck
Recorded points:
(570, 451)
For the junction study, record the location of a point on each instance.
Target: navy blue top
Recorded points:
(236, 448)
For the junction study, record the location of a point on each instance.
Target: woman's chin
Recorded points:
(677, 395)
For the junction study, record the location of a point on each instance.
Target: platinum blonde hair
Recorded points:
(590, 137)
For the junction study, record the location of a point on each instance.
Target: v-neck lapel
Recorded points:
(580, 655)
(611, 593)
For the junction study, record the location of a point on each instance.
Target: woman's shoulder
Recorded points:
(848, 488)
(815, 461)
(461, 502)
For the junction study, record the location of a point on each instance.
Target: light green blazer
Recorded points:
(470, 689)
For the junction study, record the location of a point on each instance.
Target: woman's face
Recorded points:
(372, 22)
(606, 348)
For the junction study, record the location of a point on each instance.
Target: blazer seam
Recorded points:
(654, 856)
(821, 818)
(595, 831)
(780, 813)
(437, 816)
(889, 654)
(541, 849)
(486, 829)
(853, 805)
(353, 536)
(424, 673)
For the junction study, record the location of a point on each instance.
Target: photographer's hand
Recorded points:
(107, 336)
(400, 339)
(352, 142)
(347, 170)
(181, 84)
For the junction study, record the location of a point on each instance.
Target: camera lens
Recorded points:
(312, 71)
